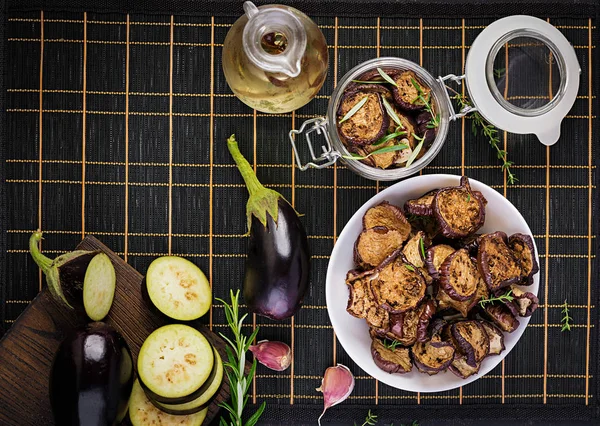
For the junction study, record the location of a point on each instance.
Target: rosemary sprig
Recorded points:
(239, 382)
(355, 109)
(567, 320)
(370, 420)
(507, 297)
(391, 346)
(435, 118)
(383, 150)
(491, 133)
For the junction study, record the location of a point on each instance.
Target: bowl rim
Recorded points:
(333, 299)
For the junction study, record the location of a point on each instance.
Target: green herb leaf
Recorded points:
(383, 150)
(355, 109)
(392, 113)
(370, 420)
(422, 246)
(409, 267)
(369, 81)
(417, 86)
(386, 77)
(388, 137)
(499, 72)
(415, 152)
(468, 197)
(502, 298)
(391, 345)
(566, 320)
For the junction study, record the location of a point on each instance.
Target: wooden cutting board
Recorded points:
(28, 348)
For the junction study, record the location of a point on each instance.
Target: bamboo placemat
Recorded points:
(116, 127)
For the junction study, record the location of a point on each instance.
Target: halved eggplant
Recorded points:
(414, 249)
(99, 287)
(143, 413)
(174, 362)
(496, 262)
(495, 336)
(436, 255)
(462, 369)
(522, 248)
(422, 206)
(368, 124)
(374, 245)
(433, 356)
(405, 93)
(389, 216)
(524, 303)
(458, 211)
(399, 286)
(501, 316)
(359, 300)
(426, 313)
(471, 340)
(395, 360)
(459, 276)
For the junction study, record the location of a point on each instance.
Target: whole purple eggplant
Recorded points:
(278, 263)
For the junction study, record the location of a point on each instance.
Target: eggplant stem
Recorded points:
(252, 183)
(42, 261)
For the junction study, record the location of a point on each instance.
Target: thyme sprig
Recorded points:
(392, 345)
(567, 320)
(491, 133)
(370, 420)
(435, 118)
(507, 297)
(239, 381)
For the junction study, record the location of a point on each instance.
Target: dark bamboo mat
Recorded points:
(116, 127)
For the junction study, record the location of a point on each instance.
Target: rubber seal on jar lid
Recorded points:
(529, 117)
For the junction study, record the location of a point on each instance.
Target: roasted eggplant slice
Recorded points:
(459, 276)
(395, 360)
(524, 303)
(436, 255)
(377, 317)
(366, 125)
(405, 93)
(522, 248)
(359, 301)
(471, 243)
(422, 206)
(471, 340)
(479, 195)
(425, 129)
(458, 211)
(497, 265)
(446, 302)
(403, 327)
(414, 249)
(389, 216)
(501, 316)
(433, 356)
(374, 245)
(398, 286)
(426, 312)
(496, 337)
(462, 369)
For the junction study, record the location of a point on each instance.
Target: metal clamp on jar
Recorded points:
(534, 103)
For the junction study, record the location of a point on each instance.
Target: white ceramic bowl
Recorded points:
(353, 333)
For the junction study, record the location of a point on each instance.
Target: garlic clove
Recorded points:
(274, 355)
(337, 385)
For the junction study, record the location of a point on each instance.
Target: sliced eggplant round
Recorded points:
(368, 124)
(471, 340)
(522, 248)
(436, 255)
(501, 316)
(432, 356)
(359, 301)
(143, 413)
(389, 216)
(495, 336)
(403, 327)
(406, 95)
(459, 276)
(426, 312)
(422, 206)
(524, 303)
(399, 286)
(395, 360)
(99, 287)
(496, 263)
(174, 362)
(471, 243)
(377, 317)
(462, 369)
(178, 288)
(414, 249)
(374, 245)
(425, 128)
(458, 211)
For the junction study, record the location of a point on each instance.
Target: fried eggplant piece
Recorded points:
(395, 360)
(415, 248)
(368, 124)
(433, 356)
(459, 276)
(374, 245)
(501, 316)
(403, 327)
(471, 243)
(405, 93)
(479, 195)
(461, 368)
(496, 337)
(377, 317)
(524, 303)
(389, 216)
(522, 248)
(471, 340)
(398, 286)
(422, 206)
(359, 301)
(458, 211)
(426, 312)
(424, 128)
(496, 262)
(384, 160)
(436, 255)
(446, 302)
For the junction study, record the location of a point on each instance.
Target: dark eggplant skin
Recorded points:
(92, 376)
(277, 267)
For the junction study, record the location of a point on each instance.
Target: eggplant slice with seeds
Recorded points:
(471, 340)
(501, 316)
(412, 249)
(458, 211)
(495, 336)
(366, 125)
(462, 369)
(436, 255)
(422, 206)
(523, 250)
(497, 265)
(403, 327)
(433, 356)
(389, 216)
(459, 276)
(359, 301)
(374, 245)
(446, 302)
(399, 286)
(391, 360)
(406, 94)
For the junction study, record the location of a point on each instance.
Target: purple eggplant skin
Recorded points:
(277, 267)
(91, 378)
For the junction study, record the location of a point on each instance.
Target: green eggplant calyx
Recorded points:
(262, 201)
(34, 248)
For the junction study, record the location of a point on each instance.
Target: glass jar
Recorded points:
(484, 85)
